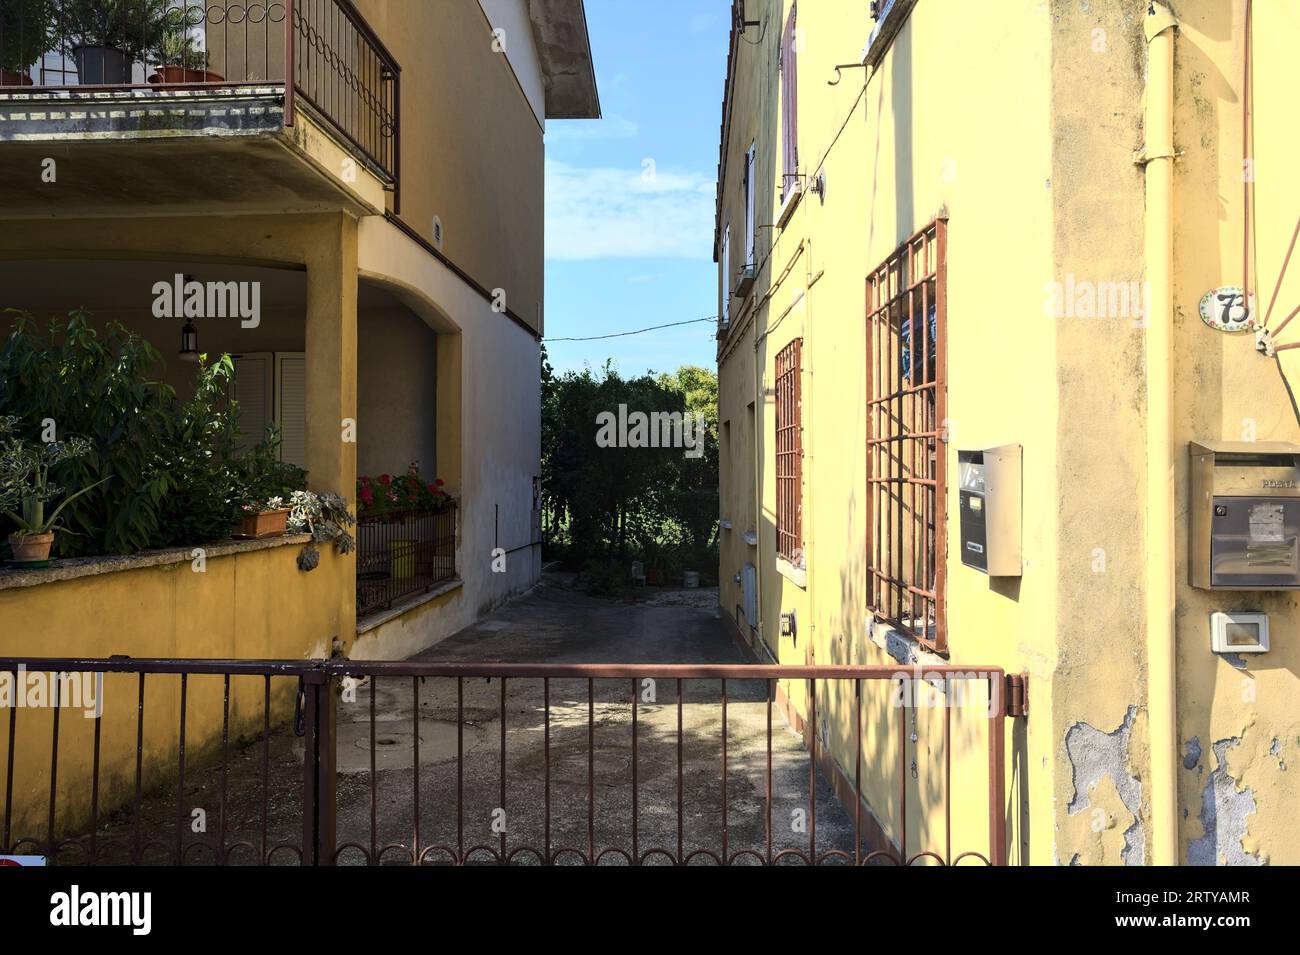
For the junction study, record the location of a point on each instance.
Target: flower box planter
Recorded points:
(183, 74)
(263, 524)
(10, 78)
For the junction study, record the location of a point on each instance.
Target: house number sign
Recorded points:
(1226, 309)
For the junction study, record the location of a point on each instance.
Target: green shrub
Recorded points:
(171, 472)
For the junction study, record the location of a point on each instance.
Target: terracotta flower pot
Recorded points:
(263, 524)
(182, 74)
(31, 548)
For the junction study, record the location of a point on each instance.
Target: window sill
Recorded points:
(791, 202)
(887, 27)
(796, 575)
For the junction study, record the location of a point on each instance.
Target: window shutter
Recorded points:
(727, 277)
(750, 224)
(291, 407)
(789, 103)
(252, 391)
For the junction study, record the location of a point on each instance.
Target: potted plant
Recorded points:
(326, 518)
(403, 497)
(266, 518)
(179, 59)
(26, 488)
(26, 34)
(105, 37)
(266, 484)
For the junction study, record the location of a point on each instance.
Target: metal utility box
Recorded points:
(990, 510)
(1245, 515)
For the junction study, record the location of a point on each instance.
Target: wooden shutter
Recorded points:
(727, 278)
(291, 407)
(789, 104)
(749, 204)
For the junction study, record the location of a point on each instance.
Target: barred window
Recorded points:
(789, 454)
(906, 410)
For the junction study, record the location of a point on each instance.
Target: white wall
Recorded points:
(511, 16)
(500, 438)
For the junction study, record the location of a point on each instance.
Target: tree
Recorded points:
(614, 503)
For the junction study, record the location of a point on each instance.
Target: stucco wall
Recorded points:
(1238, 726)
(397, 393)
(255, 605)
(1032, 156)
(488, 440)
(912, 144)
(472, 151)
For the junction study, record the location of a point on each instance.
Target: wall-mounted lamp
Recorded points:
(189, 336)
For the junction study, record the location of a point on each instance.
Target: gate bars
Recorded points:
(878, 837)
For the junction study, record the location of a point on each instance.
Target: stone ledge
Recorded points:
(12, 578)
(376, 620)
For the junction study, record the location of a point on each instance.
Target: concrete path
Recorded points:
(416, 802)
(558, 624)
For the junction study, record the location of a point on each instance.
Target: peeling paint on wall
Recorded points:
(1192, 757)
(1224, 809)
(1095, 755)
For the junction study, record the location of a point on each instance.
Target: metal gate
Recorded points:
(549, 764)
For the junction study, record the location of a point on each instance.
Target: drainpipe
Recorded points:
(1158, 157)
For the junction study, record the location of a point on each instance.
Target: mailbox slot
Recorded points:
(990, 501)
(1245, 516)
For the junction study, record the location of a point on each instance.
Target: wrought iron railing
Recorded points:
(401, 554)
(336, 62)
(548, 764)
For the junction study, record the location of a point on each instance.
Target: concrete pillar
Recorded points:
(450, 410)
(331, 349)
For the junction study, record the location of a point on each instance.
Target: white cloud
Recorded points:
(605, 212)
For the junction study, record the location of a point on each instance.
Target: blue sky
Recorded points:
(630, 197)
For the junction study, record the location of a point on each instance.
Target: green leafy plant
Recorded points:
(26, 33)
(25, 484)
(265, 482)
(124, 25)
(177, 475)
(326, 518)
(176, 44)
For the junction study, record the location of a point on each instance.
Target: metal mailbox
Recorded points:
(1245, 515)
(990, 510)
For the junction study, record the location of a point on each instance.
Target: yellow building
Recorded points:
(991, 256)
(374, 173)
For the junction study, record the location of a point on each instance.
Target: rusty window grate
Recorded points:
(789, 453)
(906, 408)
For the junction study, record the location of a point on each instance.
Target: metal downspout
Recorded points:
(1161, 680)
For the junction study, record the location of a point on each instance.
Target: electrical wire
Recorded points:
(639, 331)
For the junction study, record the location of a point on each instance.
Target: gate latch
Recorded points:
(299, 718)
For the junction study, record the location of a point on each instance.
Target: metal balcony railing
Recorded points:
(322, 51)
(402, 554)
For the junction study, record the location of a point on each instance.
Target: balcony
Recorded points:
(180, 105)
